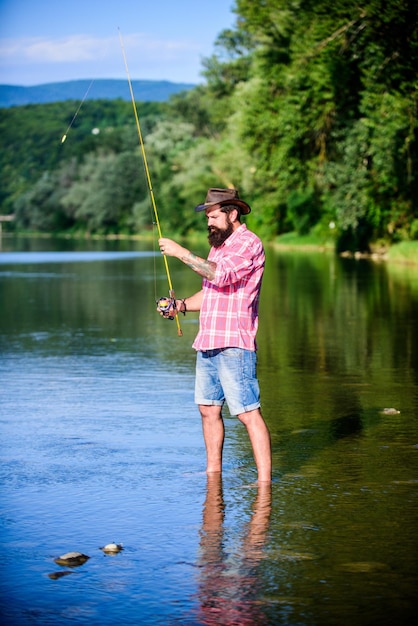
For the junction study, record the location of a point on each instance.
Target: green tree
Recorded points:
(309, 108)
(106, 190)
(31, 138)
(40, 208)
(323, 76)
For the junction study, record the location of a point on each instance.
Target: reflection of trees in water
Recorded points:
(323, 314)
(229, 584)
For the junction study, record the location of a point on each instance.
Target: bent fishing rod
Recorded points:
(166, 306)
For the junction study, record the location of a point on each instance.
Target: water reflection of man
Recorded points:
(228, 322)
(229, 582)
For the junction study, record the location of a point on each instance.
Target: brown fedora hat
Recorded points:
(222, 197)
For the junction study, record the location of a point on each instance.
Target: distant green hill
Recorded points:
(144, 91)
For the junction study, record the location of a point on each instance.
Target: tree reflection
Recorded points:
(229, 582)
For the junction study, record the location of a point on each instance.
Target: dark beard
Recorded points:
(217, 236)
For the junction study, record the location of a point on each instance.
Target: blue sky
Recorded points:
(44, 41)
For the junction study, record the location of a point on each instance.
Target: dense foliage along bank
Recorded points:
(309, 108)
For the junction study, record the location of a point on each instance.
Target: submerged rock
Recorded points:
(112, 548)
(72, 559)
(56, 575)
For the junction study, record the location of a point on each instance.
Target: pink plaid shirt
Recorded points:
(229, 310)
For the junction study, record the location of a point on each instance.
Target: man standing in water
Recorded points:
(228, 322)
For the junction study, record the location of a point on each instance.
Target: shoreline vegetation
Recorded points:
(404, 252)
(309, 109)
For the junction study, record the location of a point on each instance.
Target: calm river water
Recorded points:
(101, 442)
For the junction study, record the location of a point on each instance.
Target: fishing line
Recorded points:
(64, 137)
(148, 176)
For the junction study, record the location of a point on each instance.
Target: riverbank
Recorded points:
(405, 252)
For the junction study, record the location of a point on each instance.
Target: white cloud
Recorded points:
(48, 59)
(78, 48)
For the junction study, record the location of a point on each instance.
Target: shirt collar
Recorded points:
(233, 236)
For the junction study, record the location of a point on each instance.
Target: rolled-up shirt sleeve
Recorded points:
(231, 270)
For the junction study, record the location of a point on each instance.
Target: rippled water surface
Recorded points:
(101, 442)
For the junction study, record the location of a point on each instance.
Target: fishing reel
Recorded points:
(167, 306)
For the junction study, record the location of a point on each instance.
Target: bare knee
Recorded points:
(210, 412)
(251, 417)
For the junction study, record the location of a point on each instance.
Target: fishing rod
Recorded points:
(167, 306)
(64, 137)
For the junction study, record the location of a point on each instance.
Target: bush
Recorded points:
(303, 210)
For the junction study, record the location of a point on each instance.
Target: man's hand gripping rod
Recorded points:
(166, 306)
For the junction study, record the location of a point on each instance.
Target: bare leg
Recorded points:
(260, 440)
(214, 434)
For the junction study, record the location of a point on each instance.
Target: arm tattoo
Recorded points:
(200, 266)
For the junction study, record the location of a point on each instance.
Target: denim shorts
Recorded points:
(227, 374)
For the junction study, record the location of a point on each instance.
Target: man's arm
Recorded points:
(192, 303)
(203, 267)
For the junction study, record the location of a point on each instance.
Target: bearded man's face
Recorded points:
(218, 234)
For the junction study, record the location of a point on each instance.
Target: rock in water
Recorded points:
(72, 559)
(112, 548)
